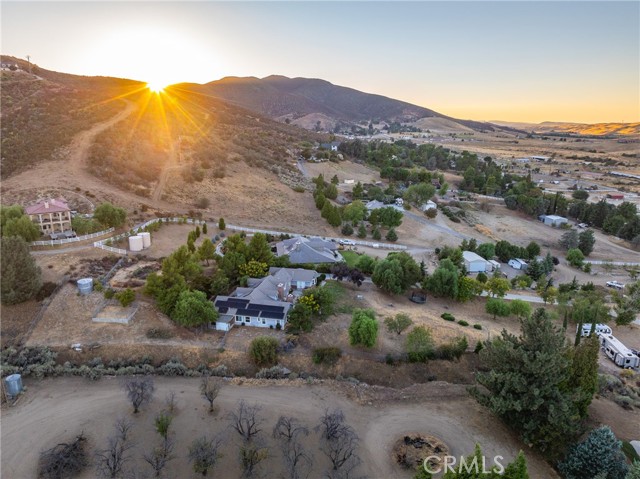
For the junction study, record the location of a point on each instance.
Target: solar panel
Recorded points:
(273, 309)
(223, 310)
(271, 315)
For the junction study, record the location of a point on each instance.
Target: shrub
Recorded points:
(462, 322)
(477, 326)
(448, 317)
(419, 344)
(328, 355)
(264, 350)
(126, 297)
(173, 367)
(159, 333)
(454, 349)
(364, 328)
(109, 293)
(275, 372)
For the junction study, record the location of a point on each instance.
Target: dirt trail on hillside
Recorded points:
(71, 171)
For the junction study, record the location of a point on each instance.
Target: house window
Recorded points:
(264, 321)
(247, 319)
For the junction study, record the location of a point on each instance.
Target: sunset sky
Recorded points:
(516, 61)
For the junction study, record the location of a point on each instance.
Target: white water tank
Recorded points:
(13, 385)
(146, 239)
(85, 286)
(135, 243)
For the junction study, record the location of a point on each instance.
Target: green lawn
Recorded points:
(350, 257)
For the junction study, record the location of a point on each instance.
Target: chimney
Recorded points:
(46, 205)
(290, 298)
(281, 291)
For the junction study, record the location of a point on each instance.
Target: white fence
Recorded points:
(298, 235)
(110, 248)
(71, 240)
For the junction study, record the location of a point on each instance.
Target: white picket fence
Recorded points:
(111, 248)
(71, 240)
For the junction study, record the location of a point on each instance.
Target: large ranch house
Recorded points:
(52, 216)
(265, 302)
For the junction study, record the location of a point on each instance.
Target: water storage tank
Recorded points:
(135, 243)
(13, 385)
(85, 285)
(146, 239)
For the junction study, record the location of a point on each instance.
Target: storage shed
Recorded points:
(474, 263)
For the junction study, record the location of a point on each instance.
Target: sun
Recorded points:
(156, 87)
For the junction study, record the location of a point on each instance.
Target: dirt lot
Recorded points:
(56, 410)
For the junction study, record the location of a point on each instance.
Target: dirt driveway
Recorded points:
(55, 410)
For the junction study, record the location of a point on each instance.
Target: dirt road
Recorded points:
(57, 409)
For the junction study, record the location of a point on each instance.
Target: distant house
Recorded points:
(540, 158)
(474, 263)
(52, 216)
(349, 182)
(553, 220)
(517, 263)
(265, 302)
(333, 146)
(8, 65)
(374, 205)
(309, 250)
(615, 196)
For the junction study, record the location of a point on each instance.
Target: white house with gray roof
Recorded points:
(264, 302)
(309, 250)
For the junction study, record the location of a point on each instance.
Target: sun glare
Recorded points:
(156, 87)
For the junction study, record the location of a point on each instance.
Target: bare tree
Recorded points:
(342, 453)
(110, 462)
(331, 424)
(63, 460)
(204, 453)
(170, 402)
(296, 460)
(139, 391)
(246, 421)
(251, 455)
(287, 428)
(159, 457)
(210, 388)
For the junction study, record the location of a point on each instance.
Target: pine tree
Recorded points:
(376, 234)
(204, 228)
(391, 235)
(599, 453)
(21, 277)
(221, 224)
(362, 231)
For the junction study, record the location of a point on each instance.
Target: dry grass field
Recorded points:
(56, 410)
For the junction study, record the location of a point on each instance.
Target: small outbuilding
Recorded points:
(517, 263)
(553, 220)
(474, 263)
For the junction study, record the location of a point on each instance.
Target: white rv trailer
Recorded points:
(618, 352)
(600, 329)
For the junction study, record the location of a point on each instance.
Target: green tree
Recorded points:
(219, 283)
(23, 227)
(533, 250)
(221, 224)
(520, 308)
(366, 264)
(194, 309)
(444, 280)
(364, 328)
(197, 231)
(486, 250)
(396, 273)
(468, 288)
(375, 234)
(575, 257)
(581, 195)
(362, 231)
(398, 323)
(347, 229)
(583, 377)
(206, 251)
(497, 307)
(254, 269)
(586, 242)
(419, 194)
(109, 215)
(525, 383)
(162, 423)
(259, 249)
(392, 235)
(331, 191)
(319, 199)
(126, 297)
(627, 304)
(300, 319)
(355, 212)
(204, 228)
(263, 350)
(569, 240)
(497, 286)
(599, 453)
(191, 246)
(634, 471)
(335, 180)
(8, 213)
(389, 217)
(358, 191)
(420, 345)
(20, 277)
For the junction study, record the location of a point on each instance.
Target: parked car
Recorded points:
(615, 284)
(347, 242)
(583, 225)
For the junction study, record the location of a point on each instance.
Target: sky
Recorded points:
(576, 61)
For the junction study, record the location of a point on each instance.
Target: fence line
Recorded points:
(298, 235)
(110, 248)
(70, 240)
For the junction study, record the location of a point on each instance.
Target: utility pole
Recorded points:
(29, 60)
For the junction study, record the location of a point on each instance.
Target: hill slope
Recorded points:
(598, 129)
(279, 96)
